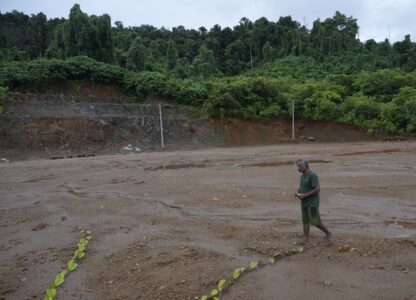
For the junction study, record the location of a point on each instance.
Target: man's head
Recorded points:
(302, 164)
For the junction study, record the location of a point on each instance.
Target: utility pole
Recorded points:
(293, 120)
(161, 126)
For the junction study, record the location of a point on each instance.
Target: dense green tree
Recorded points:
(104, 40)
(183, 68)
(39, 31)
(83, 35)
(267, 64)
(323, 105)
(334, 36)
(267, 52)
(79, 34)
(137, 56)
(204, 64)
(172, 55)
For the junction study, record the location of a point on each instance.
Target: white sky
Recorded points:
(376, 18)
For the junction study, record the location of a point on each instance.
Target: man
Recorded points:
(308, 194)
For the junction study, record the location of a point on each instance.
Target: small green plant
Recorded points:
(70, 266)
(60, 278)
(253, 265)
(224, 283)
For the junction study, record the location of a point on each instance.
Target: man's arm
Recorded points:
(315, 191)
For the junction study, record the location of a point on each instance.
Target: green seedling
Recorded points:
(50, 293)
(79, 254)
(71, 266)
(237, 272)
(221, 284)
(253, 264)
(60, 278)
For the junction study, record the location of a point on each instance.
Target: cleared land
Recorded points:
(170, 225)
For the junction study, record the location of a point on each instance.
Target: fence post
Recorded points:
(293, 120)
(161, 126)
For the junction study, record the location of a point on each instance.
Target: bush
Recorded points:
(14, 74)
(361, 110)
(399, 116)
(323, 105)
(221, 105)
(147, 83)
(382, 84)
(187, 92)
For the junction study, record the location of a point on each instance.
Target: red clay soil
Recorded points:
(238, 132)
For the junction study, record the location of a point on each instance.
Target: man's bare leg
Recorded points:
(328, 238)
(306, 228)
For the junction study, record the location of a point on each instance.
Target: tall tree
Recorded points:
(267, 52)
(137, 56)
(104, 50)
(39, 31)
(79, 32)
(172, 55)
(204, 63)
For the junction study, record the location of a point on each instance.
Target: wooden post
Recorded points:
(161, 126)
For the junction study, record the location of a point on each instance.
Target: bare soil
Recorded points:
(169, 225)
(76, 118)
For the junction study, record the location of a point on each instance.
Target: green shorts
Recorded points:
(310, 215)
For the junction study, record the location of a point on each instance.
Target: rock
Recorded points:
(344, 248)
(108, 255)
(39, 226)
(327, 283)
(5, 160)
(311, 138)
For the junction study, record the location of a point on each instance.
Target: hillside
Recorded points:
(61, 121)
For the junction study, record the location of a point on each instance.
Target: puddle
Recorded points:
(175, 167)
(407, 224)
(283, 163)
(49, 176)
(368, 152)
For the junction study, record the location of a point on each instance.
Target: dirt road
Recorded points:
(170, 225)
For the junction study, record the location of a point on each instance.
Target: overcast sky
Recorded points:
(376, 18)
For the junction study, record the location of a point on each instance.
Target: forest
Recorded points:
(255, 70)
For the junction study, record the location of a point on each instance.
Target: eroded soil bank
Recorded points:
(41, 127)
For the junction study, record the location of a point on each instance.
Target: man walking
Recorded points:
(308, 194)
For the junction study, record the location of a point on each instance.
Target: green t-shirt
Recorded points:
(308, 182)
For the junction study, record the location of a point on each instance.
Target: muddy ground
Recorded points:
(170, 225)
